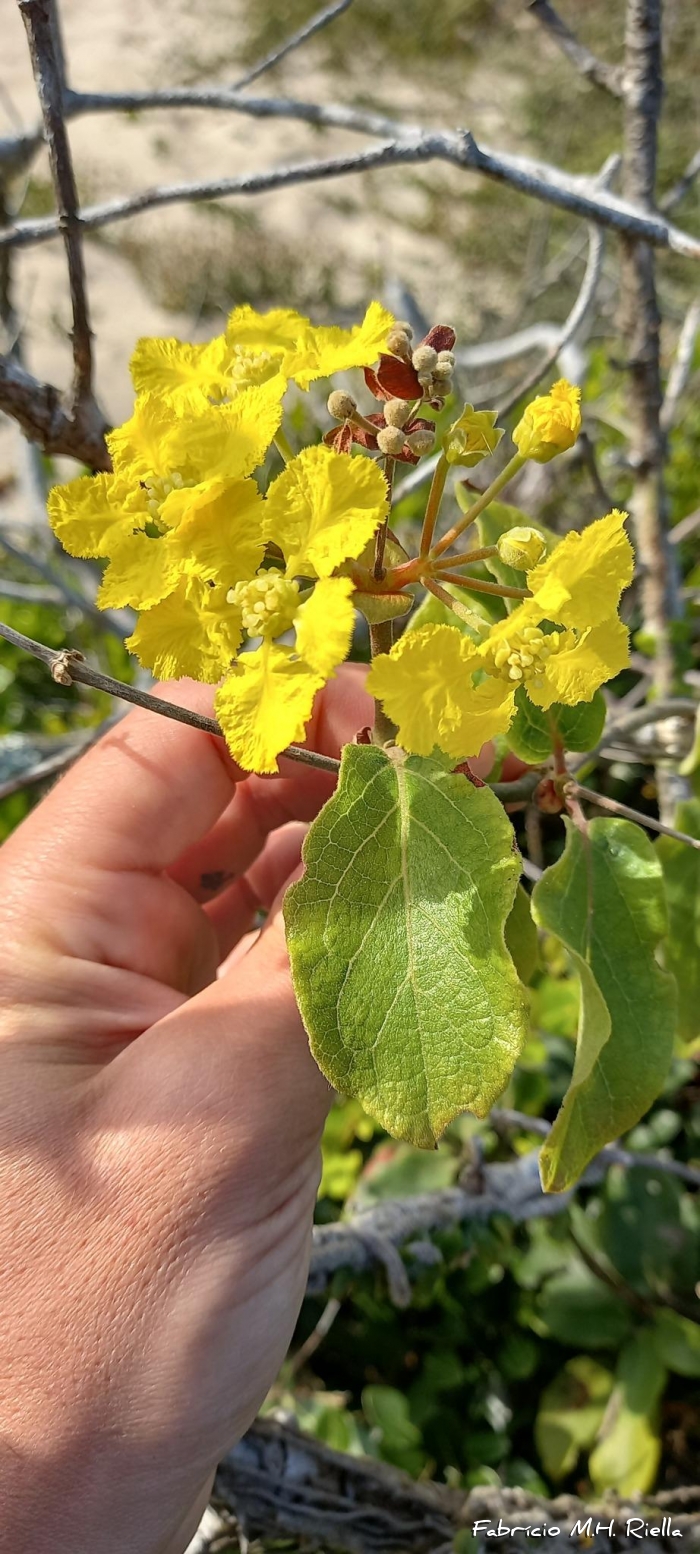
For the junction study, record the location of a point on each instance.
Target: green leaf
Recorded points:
(681, 866)
(605, 900)
(521, 937)
(570, 1414)
(531, 734)
(382, 607)
(678, 1343)
(577, 1309)
(627, 1456)
(396, 939)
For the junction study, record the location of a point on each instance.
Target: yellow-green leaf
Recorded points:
(627, 1455)
(396, 940)
(681, 866)
(605, 900)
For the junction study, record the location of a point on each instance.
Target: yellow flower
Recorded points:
(441, 688)
(192, 633)
(254, 348)
(265, 702)
(178, 502)
(550, 424)
(473, 437)
(324, 508)
(426, 685)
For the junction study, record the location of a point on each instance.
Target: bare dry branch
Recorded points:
(641, 324)
(674, 195)
(281, 1484)
(310, 28)
(40, 412)
(609, 77)
(579, 196)
(615, 808)
(682, 366)
(44, 47)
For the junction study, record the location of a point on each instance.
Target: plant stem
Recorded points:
(381, 638)
(435, 495)
(380, 542)
(479, 586)
(462, 610)
(481, 502)
(466, 557)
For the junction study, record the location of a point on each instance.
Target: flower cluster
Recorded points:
(191, 542)
(255, 589)
(443, 689)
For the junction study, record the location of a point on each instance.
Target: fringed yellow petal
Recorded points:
(219, 529)
(319, 352)
(324, 625)
(230, 440)
(265, 704)
(141, 572)
(426, 686)
(85, 513)
(187, 375)
(581, 582)
(324, 508)
(576, 673)
(139, 447)
(185, 635)
(276, 331)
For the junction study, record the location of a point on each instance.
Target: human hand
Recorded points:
(159, 1128)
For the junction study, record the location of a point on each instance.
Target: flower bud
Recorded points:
(472, 438)
(406, 329)
(446, 358)
(398, 342)
(397, 412)
(521, 548)
(442, 372)
(424, 358)
(422, 441)
(550, 424)
(341, 405)
(390, 441)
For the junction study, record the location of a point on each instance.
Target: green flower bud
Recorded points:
(472, 438)
(521, 548)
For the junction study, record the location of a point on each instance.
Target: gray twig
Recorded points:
(615, 808)
(681, 367)
(609, 77)
(39, 411)
(641, 326)
(678, 191)
(314, 25)
(69, 667)
(578, 196)
(44, 47)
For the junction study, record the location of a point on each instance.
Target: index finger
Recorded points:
(152, 787)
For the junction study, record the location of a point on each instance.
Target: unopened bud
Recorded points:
(521, 548)
(398, 342)
(405, 328)
(390, 441)
(397, 412)
(446, 358)
(422, 441)
(426, 381)
(443, 371)
(472, 437)
(424, 358)
(341, 405)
